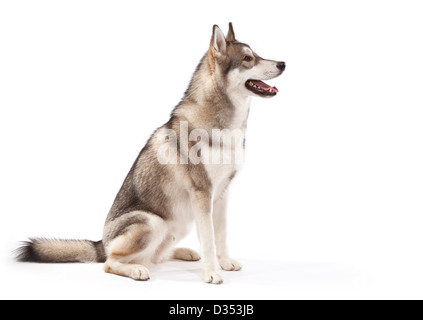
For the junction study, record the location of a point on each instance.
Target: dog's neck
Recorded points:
(209, 98)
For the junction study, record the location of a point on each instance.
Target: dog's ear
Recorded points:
(231, 34)
(218, 42)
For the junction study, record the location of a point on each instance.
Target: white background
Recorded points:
(329, 204)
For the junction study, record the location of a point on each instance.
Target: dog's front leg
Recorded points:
(203, 208)
(220, 231)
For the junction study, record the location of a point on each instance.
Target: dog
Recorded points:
(181, 176)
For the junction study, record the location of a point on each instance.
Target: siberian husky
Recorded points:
(182, 174)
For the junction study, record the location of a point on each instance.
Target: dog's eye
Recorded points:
(247, 59)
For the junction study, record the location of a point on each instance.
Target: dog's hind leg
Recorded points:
(133, 271)
(186, 254)
(135, 240)
(123, 250)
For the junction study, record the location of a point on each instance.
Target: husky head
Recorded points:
(241, 70)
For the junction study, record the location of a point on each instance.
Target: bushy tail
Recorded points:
(56, 250)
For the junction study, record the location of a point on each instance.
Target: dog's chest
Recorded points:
(220, 177)
(225, 158)
(227, 149)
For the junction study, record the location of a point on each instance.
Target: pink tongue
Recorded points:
(264, 86)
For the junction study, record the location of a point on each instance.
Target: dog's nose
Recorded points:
(281, 65)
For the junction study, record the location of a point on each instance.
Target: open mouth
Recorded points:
(261, 88)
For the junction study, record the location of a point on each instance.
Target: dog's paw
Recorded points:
(186, 254)
(212, 276)
(229, 264)
(139, 272)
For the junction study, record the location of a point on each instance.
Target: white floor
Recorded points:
(260, 279)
